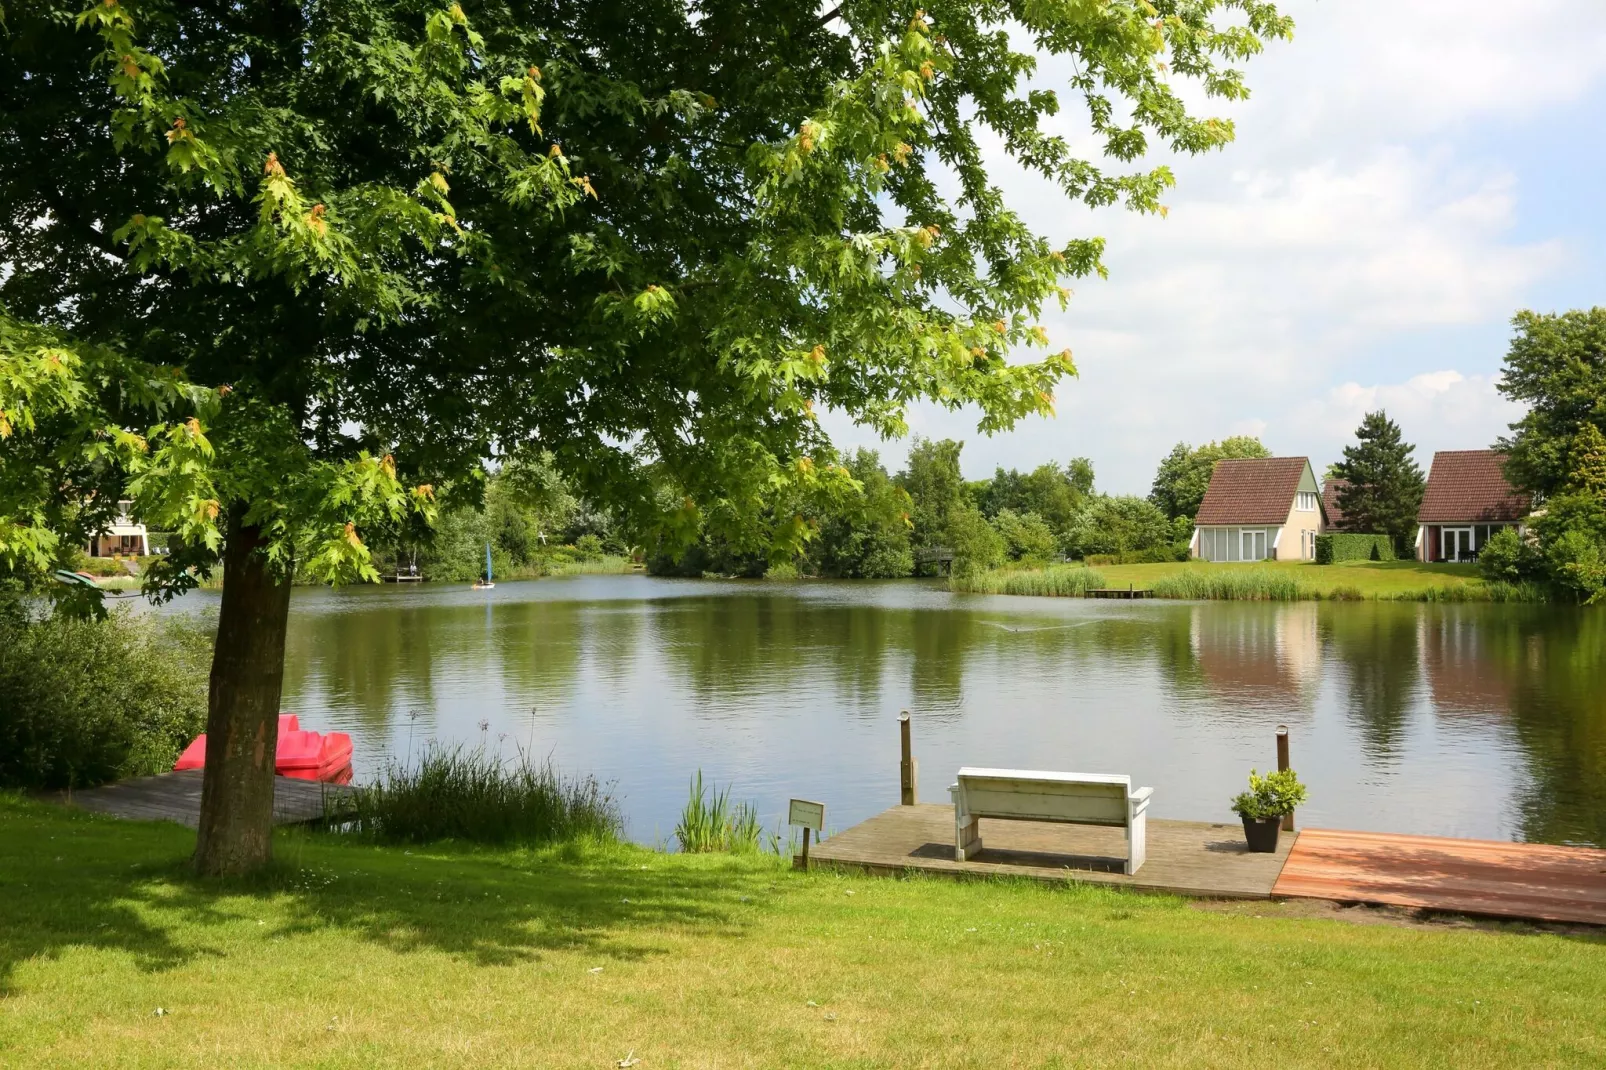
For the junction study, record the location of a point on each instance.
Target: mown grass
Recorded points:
(1061, 581)
(470, 794)
(1406, 581)
(363, 956)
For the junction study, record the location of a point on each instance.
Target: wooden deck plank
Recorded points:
(1184, 857)
(177, 797)
(1520, 880)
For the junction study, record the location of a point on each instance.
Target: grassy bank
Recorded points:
(357, 955)
(1410, 581)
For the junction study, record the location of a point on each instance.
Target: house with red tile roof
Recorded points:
(1466, 501)
(1259, 509)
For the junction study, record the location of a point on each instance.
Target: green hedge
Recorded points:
(1344, 546)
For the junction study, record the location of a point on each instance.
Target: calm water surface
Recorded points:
(1469, 720)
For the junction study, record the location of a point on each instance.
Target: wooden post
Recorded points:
(908, 770)
(806, 831)
(1282, 764)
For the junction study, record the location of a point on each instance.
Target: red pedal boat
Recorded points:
(304, 755)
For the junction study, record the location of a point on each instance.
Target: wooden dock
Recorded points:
(1192, 858)
(1535, 882)
(1518, 880)
(177, 797)
(1116, 592)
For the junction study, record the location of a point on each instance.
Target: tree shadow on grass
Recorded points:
(69, 880)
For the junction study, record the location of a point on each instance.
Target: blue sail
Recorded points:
(488, 576)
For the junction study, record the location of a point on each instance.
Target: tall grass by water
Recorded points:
(461, 793)
(711, 822)
(1063, 581)
(1240, 585)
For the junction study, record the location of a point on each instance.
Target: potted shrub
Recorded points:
(1262, 807)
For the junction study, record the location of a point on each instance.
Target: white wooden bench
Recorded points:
(1031, 795)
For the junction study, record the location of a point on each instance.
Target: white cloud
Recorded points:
(1364, 229)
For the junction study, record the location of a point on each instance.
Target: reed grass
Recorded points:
(1064, 581)
(1237, 585)
(711, 822)
(461, 793)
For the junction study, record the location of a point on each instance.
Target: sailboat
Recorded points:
(486, 583)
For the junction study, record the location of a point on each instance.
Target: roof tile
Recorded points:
(1251, 490)
(1469, 486)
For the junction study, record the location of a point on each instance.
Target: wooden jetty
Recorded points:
(1116, 592)
(177, 797)
(1194, 858)
(1211, 861)
(1521, 880)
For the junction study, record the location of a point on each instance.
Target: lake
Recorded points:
(1462, 720)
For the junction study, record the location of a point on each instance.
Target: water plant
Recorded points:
(473, 794)
(711, 822)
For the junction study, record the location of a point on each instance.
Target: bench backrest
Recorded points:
(1081, 798)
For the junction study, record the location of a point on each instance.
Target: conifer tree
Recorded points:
(1385, 484)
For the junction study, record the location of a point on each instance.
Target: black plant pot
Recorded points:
(1261, 832)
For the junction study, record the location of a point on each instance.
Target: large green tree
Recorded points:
(1556, 366)
(1384, 485)
(275, 270)
(1184, 474)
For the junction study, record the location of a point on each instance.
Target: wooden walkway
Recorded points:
(177, 797)
(1516, 880)
(1184, 857)
(1530, 881)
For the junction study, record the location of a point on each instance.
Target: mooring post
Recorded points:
(908, 778)
(1282, 764)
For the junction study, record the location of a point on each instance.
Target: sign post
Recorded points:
(809, 815)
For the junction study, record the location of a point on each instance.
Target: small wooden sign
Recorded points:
(805, 814)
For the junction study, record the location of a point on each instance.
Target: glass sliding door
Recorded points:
(1252, 544)
(1456, 543)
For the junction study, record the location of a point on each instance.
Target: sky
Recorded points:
(1406, 176)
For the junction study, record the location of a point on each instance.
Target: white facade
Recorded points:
(125, 537)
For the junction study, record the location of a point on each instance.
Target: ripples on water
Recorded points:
(1468, 720)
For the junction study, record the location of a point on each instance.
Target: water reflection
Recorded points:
(1462, 720)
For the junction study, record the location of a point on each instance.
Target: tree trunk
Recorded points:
(242, 719)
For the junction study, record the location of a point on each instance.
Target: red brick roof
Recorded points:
(1256, 490)
(1469, 486)
(1330, 506)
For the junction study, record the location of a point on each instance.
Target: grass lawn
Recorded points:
(1373, 579)
(361, 956)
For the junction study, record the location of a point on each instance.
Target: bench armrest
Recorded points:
(1139, 800)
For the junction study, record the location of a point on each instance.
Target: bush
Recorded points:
(1508, 558)
(1258, 584)
(1068, 581)
(1027, 536)
(455, 793)
(589, 547)
(1272, 795)
(1347, 546)
(83, 702)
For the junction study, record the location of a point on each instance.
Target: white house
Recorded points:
(125, 537)
(1260, 509)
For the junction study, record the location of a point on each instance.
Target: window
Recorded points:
(1305, 501)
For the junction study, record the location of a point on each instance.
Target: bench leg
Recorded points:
(967, 837)
(1136, 838)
